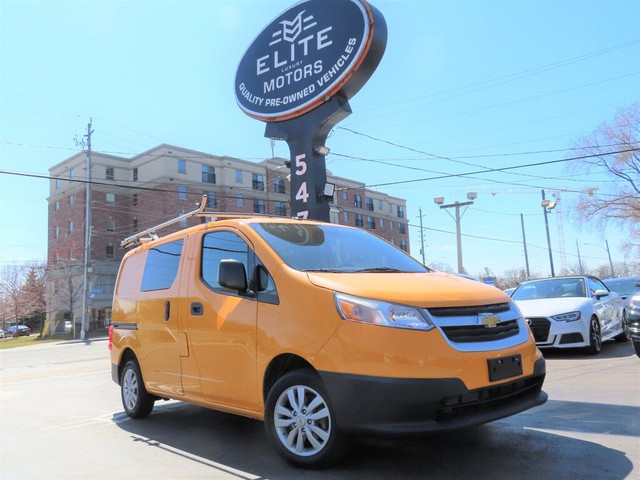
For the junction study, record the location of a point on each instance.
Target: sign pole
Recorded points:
(308, 170)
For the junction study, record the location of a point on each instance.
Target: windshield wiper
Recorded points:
(378, 269)
(326, 270)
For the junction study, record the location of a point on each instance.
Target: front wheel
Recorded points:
(626, 333)
(636, 347)
(300, 421)
(595, 337)
(136, 400)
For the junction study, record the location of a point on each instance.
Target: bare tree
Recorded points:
(613, 148)
(11, 281)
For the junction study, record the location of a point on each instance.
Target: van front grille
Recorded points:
(481, 333)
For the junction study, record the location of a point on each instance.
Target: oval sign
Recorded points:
(308, 54)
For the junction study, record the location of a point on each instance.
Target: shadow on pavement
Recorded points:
(527, 446)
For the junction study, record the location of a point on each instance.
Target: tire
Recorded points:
(300, 421)
(626, 333)
(595, 337)
(136, 400)
(636, 347)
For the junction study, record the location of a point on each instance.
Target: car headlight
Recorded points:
(385, 314)
(634, 301)
(567, 317)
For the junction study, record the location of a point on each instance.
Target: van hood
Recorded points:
(424, 290)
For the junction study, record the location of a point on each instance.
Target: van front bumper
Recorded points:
(366, 404)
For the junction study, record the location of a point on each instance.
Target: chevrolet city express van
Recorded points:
(320, 330)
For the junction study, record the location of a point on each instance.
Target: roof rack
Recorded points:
(140, 238)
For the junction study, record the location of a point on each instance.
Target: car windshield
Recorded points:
(623, 286)
(331, 248)
(551, 288)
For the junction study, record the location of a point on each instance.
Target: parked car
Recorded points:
(509, 291)
(1, 333)
(629, 290)
(632, 309)
(570, 312)
(18, 331)
(67, 326)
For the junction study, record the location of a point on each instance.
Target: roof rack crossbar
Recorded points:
(134, 239)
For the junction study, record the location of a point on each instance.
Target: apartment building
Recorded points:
(129, 195)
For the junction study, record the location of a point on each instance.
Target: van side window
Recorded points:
(217, 246)
(161, 267)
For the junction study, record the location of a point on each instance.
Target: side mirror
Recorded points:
(232, 275)
(638, 284)
(600, 293)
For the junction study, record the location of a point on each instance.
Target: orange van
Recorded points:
(320, 330)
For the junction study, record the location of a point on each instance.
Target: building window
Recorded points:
(403, 245)
(135, 174)
(56, 232)
(183, 222)
(110, 198)
(72, 173)
(71, 199)
(278, 185)
(379, 204)
(70, 227)
(345, 217)
(109, 251)
(390, 208)
(109, 173)
(208, 174)
(57, 183)
(239, 200)
(238, 176)
(371, 223)
(258, 182)
(281, 209)
(382, 223)
(345, 196)
(111, 225)
(401, 228)
(135, 225)
(56, 205)
(359, 222)
(182, 166)
(369, 204)
(357, 201)
(212, 201)
(258, 205)
(134, 199)
(400, 211)
(182, 193)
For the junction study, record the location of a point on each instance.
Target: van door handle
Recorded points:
(167, 310)
(196, 308)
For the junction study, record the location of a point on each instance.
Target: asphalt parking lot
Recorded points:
(61, 417)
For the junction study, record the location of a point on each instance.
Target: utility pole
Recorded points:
(440, 200)
(547, 205)
(524, 241)
(609, 255)
(421, 237)
(579, 258)
(87, 236)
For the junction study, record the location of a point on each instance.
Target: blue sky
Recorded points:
(463, 86)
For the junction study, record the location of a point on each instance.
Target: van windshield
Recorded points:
(332, 248)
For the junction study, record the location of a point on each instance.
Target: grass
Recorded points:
(33, 339)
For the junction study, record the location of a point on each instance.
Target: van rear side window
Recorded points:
(161, 266)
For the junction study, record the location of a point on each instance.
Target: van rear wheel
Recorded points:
(136, 400)
(300, 421)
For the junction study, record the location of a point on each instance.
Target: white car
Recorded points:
(570, 312)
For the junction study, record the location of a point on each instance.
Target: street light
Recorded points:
(548, 206)
(471, 196)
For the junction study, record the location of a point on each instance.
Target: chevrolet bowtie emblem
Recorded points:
(488, 320)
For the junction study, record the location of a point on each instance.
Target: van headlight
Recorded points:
(385, 314)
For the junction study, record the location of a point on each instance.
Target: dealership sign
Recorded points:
(309, 53)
